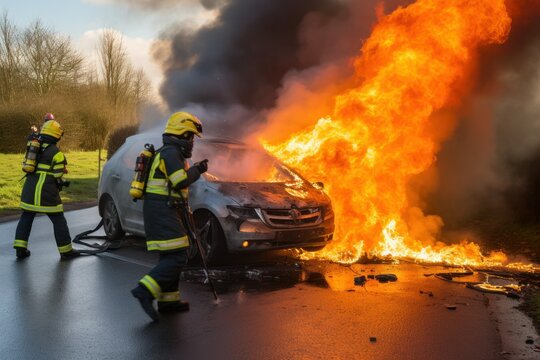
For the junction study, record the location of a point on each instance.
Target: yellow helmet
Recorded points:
(181, 122)
(52, 128)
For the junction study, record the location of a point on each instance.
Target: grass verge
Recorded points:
(531, 306)
(83, 174)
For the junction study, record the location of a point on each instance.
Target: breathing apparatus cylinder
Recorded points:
(142, 170)
(31, 156)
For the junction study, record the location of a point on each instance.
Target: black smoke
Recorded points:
(232, 70)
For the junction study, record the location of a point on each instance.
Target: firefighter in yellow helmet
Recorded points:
(167, 186)
(41, 193)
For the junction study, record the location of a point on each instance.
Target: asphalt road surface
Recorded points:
(82, 309)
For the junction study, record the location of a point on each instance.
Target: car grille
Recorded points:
(287, 218)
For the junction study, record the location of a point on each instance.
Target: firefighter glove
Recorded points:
(202, 165)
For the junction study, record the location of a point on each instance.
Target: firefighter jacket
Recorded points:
(167, 188)
(40, 191)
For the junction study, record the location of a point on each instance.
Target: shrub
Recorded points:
(118, 137)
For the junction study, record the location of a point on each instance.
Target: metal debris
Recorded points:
(449, 276)
(384, 278)
(360, 280)
(451, 306)
(511, 291)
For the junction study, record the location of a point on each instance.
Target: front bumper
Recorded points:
(257, 236)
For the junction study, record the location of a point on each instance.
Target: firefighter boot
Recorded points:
(175, 306)
(146, 300)
(70, 255)
(22, 253)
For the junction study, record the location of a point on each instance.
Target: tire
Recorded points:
(314, 248)
(111, 221)
(213, 239)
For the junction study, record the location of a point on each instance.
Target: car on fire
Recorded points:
(247, 201)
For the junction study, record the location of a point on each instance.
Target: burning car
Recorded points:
(247, 201)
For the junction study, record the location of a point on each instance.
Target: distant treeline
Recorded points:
(41, 71)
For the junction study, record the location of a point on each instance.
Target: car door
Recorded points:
(121, 177)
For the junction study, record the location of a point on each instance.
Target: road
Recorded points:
(82, 309)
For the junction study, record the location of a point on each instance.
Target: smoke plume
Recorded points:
(236, 70)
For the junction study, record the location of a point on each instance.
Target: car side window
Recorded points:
(130, 155)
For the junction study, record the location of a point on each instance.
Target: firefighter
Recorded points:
(41, 194)
(167, 186)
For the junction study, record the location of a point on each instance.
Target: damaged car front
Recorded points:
(247, 201)
(258, 202)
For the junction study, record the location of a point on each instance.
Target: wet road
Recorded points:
(51, 309)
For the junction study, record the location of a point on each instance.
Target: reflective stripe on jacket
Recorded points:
(40, 190)
(168, 170)
(163, 225)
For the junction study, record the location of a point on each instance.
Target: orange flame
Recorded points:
(384, 131)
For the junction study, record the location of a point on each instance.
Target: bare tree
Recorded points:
(140, 88)
(50, 59)
(9, 59)
(116, 67)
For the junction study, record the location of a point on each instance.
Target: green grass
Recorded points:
(83, 174)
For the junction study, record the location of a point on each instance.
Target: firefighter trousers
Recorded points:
(61, 231)
(166, 275)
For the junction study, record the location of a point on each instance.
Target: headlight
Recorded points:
(254, 226)
(243, 212)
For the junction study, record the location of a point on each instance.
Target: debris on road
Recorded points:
(428, 293)
(199, 275)
(511, 291)
(449, 276)
(255, 274)
(451, 306)
(384, 278)
(360, 280)
(373, 339)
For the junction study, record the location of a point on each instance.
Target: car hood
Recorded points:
(272, 195)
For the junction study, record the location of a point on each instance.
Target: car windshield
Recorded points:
(239, 163)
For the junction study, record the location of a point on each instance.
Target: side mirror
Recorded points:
(319, 185)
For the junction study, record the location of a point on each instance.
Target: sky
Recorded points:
(83, 20)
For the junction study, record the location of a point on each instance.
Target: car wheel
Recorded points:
(314, 248)
(212, 238)
(111, 221)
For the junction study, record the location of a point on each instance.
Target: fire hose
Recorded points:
(98, 248)
(189, 224)
(187, 219)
